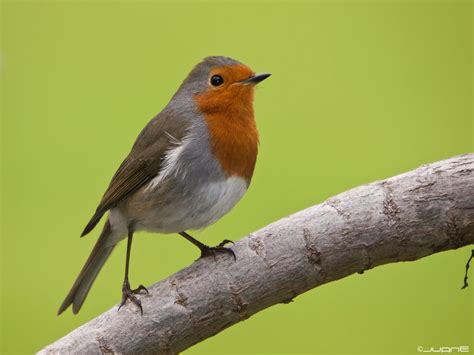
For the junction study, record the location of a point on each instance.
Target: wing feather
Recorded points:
(142, 164)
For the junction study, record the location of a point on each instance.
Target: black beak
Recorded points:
(256, 78)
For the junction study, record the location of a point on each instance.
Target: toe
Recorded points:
(141, 288)
(128, 294)
(137, 302)
(224, 242)
(215, 250)
(230, 251)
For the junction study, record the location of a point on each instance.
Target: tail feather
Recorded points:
(93, 222)
(89, 272)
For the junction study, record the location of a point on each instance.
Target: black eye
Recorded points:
(217, 80)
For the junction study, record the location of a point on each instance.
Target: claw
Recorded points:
(220, 248)
(224, 242)
(128, 294)
(140, 288)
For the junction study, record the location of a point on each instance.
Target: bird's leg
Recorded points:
(207, 250)
(127, 292)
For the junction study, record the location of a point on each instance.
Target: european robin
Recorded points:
(187, 168)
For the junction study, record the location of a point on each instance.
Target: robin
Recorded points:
(187, 168)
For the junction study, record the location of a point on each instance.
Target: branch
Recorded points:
(407, 217)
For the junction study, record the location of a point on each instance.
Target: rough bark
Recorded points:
(404, 218)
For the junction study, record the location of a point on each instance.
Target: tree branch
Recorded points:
(407, 217)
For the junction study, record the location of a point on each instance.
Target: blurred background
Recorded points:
(361, 90)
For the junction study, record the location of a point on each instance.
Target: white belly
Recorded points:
(164, 210)
(219, 197)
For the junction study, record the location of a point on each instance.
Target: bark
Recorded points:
(404, 218)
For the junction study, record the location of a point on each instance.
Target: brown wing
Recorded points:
(142, 164)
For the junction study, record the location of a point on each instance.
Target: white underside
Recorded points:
(187, 206)
(220, 197)
(209, 203)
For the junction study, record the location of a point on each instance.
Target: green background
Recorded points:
(360, 91)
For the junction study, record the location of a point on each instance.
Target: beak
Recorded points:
(255, 79)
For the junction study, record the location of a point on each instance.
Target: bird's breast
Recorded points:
(233, 135)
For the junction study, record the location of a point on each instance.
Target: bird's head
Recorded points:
(220, 84)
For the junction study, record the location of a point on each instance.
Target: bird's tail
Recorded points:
(89, 272)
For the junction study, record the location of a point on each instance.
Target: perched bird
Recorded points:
(187, 168)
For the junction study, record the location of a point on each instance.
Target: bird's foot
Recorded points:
(129, 294)
(220, 248)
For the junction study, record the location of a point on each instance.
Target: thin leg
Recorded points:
(467, 269)
(127, 259)
(127, 292)
(207, 250)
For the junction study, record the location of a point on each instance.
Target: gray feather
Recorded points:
(89, 272)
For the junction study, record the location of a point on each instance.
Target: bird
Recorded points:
(188, 167)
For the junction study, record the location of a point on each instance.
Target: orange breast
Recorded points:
(233, 132)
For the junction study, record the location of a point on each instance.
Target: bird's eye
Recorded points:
(217, 80)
